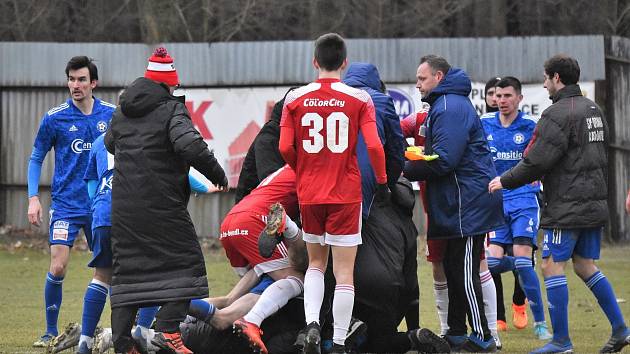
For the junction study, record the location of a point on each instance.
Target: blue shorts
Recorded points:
(64, 229)
(263, 284)
(522, 219)
(562, 244)
(101, 248)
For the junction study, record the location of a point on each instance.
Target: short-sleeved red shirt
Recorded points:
(277, 187)
(326, 116)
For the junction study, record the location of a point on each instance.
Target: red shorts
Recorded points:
(239, 237)
(332, 224)
(436, 249)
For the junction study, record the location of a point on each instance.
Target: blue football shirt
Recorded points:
(508, 145)
(71, 133)
(101, 168)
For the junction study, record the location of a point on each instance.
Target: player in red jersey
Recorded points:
(239, 237)
(318, 133)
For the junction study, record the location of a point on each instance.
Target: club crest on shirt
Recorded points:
(519, 138)
(101, 126)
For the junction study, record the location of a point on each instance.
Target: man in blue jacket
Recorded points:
(365, 76)
(460, 209)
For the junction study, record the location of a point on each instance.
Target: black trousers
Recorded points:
(465, 299)
(166, 320)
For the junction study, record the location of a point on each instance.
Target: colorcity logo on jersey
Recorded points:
(506, 155)
(316, 102)
(78, 145)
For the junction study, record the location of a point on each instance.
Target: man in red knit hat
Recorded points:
(157, 259)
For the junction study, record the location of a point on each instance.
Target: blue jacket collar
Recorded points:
(455, 82)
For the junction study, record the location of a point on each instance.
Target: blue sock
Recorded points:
(603, 291)
(93, 304)
(52, 299)
(558, 298)
(531, 286)
(201, 309)
(501, 265)
(146, 315)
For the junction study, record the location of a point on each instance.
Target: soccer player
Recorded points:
(318, 133)
(508, 132)
(519, 310)
(239, 236)
(569, 150)
(70, 129)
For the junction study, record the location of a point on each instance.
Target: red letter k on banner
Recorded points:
(197, 117)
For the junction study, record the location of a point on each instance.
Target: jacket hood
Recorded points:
(142, 97)
(363, 75)
(455, 82)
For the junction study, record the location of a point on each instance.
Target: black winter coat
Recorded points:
(569, 154)
(156, 254)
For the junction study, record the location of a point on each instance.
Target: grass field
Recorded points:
(22, 316)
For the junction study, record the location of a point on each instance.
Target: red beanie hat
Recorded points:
(161, 68)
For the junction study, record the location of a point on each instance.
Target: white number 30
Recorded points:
(337, 125)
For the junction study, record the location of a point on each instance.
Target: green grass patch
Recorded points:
(22, 275)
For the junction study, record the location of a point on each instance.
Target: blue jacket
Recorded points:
(365, 76)
(459, 204)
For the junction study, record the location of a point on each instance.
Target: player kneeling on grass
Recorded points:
(239, 237)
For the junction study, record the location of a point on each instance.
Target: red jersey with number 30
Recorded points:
(326, 117)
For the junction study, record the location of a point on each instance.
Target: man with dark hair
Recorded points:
(569, 154)
(460, 210)
(508, 133)
(157, 259)
(566, 67)
(70, 129)
(318, 132)
(491, 102)
(330, 51)
(519, 310)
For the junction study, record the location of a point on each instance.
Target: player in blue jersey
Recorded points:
(70, 129)
(508, 132)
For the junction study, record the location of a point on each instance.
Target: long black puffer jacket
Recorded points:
(156, 254)
(569, 154)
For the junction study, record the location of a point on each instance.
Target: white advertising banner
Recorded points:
(229, 118)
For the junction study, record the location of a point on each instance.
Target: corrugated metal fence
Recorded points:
(289, 62)
(31, 83)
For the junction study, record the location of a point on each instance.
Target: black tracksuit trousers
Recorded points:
(461, 264)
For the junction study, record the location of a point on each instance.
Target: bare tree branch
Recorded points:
(182, 18)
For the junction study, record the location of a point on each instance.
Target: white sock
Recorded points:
(291, 230)
(273, 299)
(440, 289)
(313, 294)
(88, 340)
(489, 300)
(342, 312)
